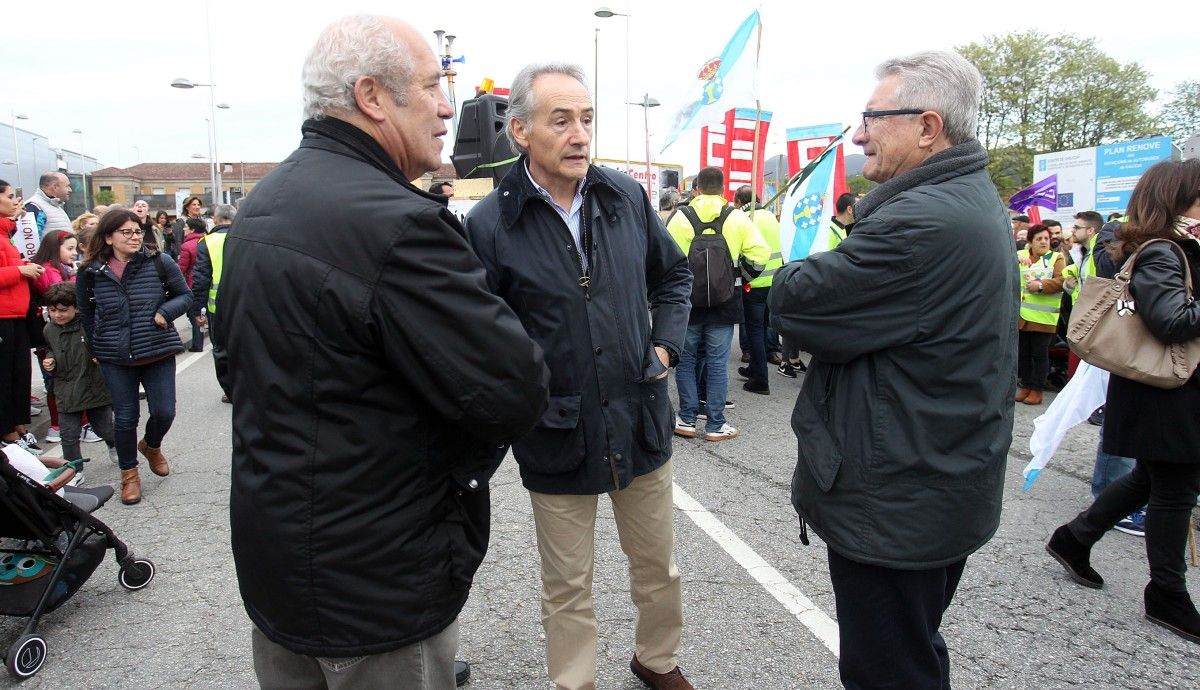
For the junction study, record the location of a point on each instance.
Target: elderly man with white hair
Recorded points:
(375, 381)
(906, 414)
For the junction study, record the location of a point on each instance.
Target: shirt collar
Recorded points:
(575, 203)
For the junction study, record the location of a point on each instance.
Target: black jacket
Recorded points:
(1142, 421)
(118, 316)
(374, 381)
(608, 420)
(202, 273)
(905, 418)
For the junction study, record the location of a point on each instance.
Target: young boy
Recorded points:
(78, 384)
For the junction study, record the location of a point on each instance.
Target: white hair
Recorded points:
(352, 47)
(520, 96)
(941, 81)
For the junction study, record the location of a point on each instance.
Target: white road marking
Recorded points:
(817, 621)
(191, 358)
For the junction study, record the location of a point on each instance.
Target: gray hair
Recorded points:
(520, 96)
(941, 81)
(223, 212)
(352, 47)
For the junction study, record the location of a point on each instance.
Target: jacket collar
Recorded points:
(359, 143)
(516, 190)
(40, 196)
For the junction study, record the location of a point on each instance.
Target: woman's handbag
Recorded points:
(1106, 331)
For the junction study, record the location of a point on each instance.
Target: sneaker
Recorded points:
(1135, 524)
(112, 455)
(87, 435)
(703, 407)
(787, 369)
(1097, 417)
(54, 435)
(34, 410)
(29, 443)
(725, 433)
(684, 429)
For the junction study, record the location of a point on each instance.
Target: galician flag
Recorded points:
(808, 205)
(728, 82)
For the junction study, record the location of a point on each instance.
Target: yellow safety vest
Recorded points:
(216, 254)
(769, 227)
(836, 235)
(1037, 307)
(1087, 270)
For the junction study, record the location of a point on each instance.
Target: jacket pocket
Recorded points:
(657, 418)
(556, 444)
(818, 450)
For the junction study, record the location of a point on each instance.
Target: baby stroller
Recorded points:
(58, 544)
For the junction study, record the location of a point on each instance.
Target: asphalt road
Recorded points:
(1017, 621)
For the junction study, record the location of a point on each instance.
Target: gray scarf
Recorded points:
(957, 160)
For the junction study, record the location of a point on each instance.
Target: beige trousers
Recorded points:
(566, 526)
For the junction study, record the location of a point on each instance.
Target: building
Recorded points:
(165, 185)
(1191, 147)
(25, 155)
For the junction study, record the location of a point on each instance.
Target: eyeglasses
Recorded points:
(125, 232)
(868, 114)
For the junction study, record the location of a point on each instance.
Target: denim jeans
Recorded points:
(754, 305)
(72, 423)
(1109, 468)
(716, 338)
(158, 378)
(197, 336)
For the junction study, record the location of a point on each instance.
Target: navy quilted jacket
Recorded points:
(118, 316)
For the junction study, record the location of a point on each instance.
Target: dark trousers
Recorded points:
(888, 624)
(197, 336)
(754, 306)
(1033, 359)
(219, 354)
(1171, 490)
(158, 378)
(72, 423)
(15, 373)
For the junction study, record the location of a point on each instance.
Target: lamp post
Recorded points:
(449, 72)
(605, 13)
(647, 103)
(16, 149)
(596, 96)
(182, 83)
(82, 168)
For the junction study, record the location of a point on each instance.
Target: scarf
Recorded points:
(1187, 227)
(955, 161)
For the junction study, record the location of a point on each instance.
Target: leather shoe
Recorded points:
(1022, 393)
(462, 673)
(1075, 557)
(1034, 398)
(1173, 611)
(154, 456)
(131, 486)
(760, 387)
(671, 680)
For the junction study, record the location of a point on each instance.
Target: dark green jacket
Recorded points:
(905, 418)
(78, 385)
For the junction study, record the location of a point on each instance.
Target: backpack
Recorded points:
(713, 282)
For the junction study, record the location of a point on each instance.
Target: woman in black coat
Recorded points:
(1159, 427)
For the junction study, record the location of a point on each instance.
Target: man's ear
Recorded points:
(931, 128)
(520, 132)
(368, 96)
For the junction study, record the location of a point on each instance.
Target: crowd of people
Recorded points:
(548, 322)
(95, 299)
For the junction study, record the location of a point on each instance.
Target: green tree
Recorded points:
(1043, 93)
(859, 184)
(1180, 117)
(104, 197)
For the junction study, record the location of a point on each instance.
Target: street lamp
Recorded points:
(182, 83)
(605, 13)
(647, 103)
(82, 168)
(16, 150)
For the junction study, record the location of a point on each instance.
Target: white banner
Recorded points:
(26, 238)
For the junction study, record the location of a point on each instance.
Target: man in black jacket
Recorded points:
(375, 381)
(206, 279)
(578, 252)
(905, 418)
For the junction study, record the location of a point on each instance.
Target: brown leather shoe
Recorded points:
(671, 680)
(131, 486)
(154, 456)
(1022, 393)
(1034, 398)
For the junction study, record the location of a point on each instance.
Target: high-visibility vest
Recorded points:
(1037, 307)
(769, 227)
(836, 235)
(216, 254)
(1087, 269)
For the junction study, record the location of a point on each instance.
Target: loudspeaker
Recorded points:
(670, 178)
(480, 138)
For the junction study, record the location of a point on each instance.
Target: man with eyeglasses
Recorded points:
(905, 417)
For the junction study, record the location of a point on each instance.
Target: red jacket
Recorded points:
(14, 287)
(187, 255)
(49, 277)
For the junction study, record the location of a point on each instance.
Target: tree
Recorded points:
(104, 197)
(1181, 115)
(859, 184)
(1043, 93)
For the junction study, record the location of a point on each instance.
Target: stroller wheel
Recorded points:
(26, 656)
(136, 574)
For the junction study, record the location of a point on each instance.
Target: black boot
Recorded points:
(462, 672)
(1075, 557)
(1173, 611)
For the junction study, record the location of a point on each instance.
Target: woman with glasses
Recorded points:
(129, 297)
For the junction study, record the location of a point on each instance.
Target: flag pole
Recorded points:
(757, 121)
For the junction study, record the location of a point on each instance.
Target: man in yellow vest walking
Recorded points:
(754, 300)
(206, 278)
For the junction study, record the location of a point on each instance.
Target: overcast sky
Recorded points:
(107, 67)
